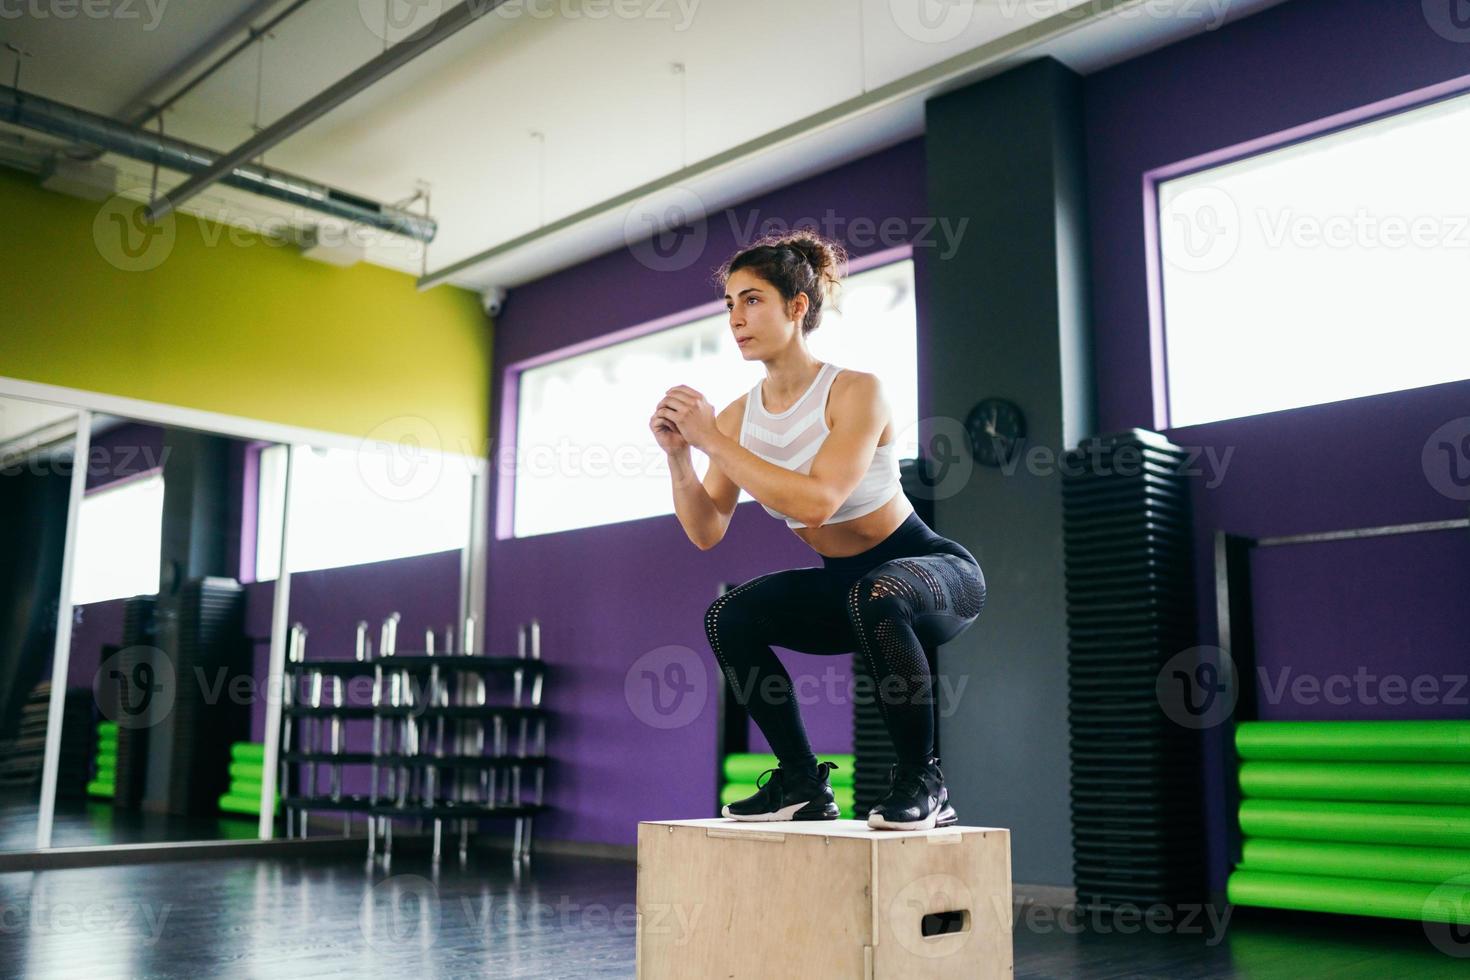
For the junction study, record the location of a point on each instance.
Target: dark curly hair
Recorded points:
(800, 261)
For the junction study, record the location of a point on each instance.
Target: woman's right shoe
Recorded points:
(917, 799)
(787, 796)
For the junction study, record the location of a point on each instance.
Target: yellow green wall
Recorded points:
(226, 320)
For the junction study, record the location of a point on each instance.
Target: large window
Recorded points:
(353, 507)
(1330, 269)
(584, 455)
(119, 541)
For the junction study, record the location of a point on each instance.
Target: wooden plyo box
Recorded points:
(723, 898)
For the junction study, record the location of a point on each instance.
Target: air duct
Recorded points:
(70, 123)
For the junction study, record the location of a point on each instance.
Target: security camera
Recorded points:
(493, 300)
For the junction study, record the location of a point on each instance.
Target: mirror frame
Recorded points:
(88, 404)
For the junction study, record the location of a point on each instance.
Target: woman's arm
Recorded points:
(704, 510)
(859, 411)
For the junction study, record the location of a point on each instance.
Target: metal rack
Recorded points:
(428, 762)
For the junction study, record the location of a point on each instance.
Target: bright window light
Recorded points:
(584, 455)
(353, 507)
(1331, 269)
(119, 542)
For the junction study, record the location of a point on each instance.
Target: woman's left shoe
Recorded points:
(917, 799)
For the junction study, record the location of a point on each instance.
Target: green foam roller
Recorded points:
(1406, 782)
(99, 788)
(1390, 862)
(248, 752)
(1435, 825)
(232, 803)
(1447, 902)
(106, 728)
(746, 767)
(241, 787)
(247, 770)
(1355, 741)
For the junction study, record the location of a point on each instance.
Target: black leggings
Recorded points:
(893, 603)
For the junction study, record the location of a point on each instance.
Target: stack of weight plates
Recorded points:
(210, 646)
(872, 748)
(134, 663)
(1136, 789)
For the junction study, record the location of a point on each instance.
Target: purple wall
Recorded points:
(1371, 607)
(606, 596)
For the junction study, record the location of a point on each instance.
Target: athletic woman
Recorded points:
(814, 444)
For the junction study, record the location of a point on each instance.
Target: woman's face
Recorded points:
(757, 317)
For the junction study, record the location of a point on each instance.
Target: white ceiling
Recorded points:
(842, 76)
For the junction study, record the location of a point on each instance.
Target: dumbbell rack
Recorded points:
(428, 762)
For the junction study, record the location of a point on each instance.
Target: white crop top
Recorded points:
(791, 439)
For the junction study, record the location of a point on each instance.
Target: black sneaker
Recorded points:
(787, 796)
(917, 799)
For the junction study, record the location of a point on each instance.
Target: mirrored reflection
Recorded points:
(170, 641)
(37, 446)
(375, 546)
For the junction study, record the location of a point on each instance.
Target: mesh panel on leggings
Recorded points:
(712, 630)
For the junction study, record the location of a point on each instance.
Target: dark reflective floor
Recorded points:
(564, 917)
(85, 822)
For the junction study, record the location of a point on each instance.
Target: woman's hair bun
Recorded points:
(795, 262)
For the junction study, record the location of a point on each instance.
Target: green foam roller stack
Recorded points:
(247, 773)
(103, 784)
(1359, 818)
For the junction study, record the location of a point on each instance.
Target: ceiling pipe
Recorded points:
(303, 115)
(70, 123)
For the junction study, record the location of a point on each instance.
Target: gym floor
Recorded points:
(559, 916)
